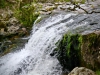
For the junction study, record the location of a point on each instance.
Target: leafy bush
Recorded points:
(98, 72)
(2, 3)
(27, 14)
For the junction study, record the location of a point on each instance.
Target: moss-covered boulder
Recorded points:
(79, 50)
(90, 50)
(69, 51)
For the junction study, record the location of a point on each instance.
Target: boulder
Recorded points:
(13, 21)
(81, 71)
(13, 29)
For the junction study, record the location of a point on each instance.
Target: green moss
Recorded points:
(91, 40)
(67, 0)
(79, 50)
(90, 50)
(69, 51)
(25, 11)
(2, 3)
(52, 1)
(83, 1)
(5, 4)
(98, 72)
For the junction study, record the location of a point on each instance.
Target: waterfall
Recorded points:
(34, 58)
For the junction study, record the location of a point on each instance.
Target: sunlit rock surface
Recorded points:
(81, 71)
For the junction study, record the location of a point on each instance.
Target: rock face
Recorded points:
(90, 50)
(80, 50)
(7, 46)
(81, 71)
(80, 45)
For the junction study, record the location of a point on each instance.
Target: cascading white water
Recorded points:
(34, 58)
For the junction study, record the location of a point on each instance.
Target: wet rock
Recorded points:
(81, 71)
(18, 71)
(4, 45)
(12, 45)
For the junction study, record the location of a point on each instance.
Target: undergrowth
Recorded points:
(27, 14)
(98, 72)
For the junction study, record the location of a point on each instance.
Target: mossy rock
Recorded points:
(79, 50)
(90, 50)
(69, 51)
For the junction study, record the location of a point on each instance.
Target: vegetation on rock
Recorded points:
(98, 72)
(90, 50)
(81, 71)
(79, 50)
(27, 14)
(69, 51)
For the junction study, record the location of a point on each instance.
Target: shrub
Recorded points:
(27, 14)
(2, 3)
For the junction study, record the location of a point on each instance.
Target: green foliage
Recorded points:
(58, 0)
(25, 11)
(89, 47)
(80, 1)
(83, 1)
(74, 1)
(2, 3)
(98, 72)
(67, 0)
(27, 14)
(69, 51)
(44, 1)
(92, 40)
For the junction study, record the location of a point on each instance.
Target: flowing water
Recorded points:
(34, 58)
